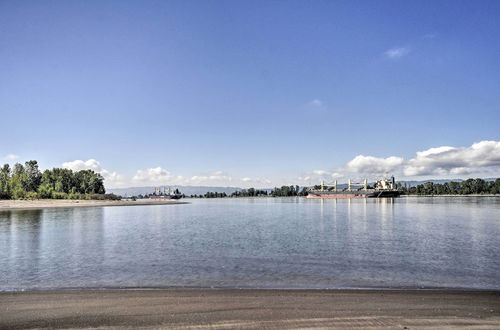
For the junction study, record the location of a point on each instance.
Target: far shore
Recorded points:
(457, 195)
(250, 309)
(8, 205)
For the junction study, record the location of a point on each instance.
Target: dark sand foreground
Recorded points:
(250, 309)
(9, 205)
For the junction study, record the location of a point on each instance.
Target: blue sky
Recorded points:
(252, 93)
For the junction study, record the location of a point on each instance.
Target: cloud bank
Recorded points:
(111, 179)
(373, 165)
(154, 176)
(481, 159)
(79, 165)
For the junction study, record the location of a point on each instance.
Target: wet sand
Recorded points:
(7, 205)
(250, 309)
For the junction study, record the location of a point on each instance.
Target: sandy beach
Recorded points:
(6, 205)
(250, 309)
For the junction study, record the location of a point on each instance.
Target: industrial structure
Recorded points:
(382, 188)
(165, 193)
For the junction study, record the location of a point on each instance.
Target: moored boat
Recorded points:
(382, 188)
(165, 194)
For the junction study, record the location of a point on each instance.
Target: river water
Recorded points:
(407, 242)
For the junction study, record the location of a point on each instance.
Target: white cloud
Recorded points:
(460, 171)
(373, 165)
(480, 157)
(255, 182)
(78, 165)
(217, 177)
(319, 175)
(155, 176)
(159, 176)
(396, 52)
(327, 174)
(111, 179)
(11, 157)
(336, 175)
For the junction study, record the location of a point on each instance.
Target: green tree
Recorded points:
(33, 176)
(18, 181)
(5, 188)
(495, 186)
(89, 182)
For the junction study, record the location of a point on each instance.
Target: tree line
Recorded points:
(210, 194)
(28, 182)
(284, 191)
(467, 187)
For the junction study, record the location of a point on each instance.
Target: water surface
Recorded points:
(260, 242)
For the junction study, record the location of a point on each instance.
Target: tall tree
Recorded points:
(18, 181)
(5, 189)
(33, 176)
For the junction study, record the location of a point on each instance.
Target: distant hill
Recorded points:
(186, 190)
(201, 190)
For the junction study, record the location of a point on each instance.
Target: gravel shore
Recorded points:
(6, 205)
(250, 309)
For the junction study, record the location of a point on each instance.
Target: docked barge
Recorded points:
(165, 194)
(382, 188)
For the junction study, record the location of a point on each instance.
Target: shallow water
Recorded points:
(261, 242)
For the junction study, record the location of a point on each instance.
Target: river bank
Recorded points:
(250, 309)
(8, 205)
(457, 195)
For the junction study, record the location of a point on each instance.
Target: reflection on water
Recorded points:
(260, 242)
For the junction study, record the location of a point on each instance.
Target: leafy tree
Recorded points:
(89, 182)
(495, 186)
(5, 188)
(28, 182)
(32, 177)
(18, 181)
(18, 169)
(467, 187)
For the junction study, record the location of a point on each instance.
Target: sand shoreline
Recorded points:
(250, 309)
(10, 205)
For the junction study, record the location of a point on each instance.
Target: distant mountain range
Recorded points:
(186, 190)
(201, 190)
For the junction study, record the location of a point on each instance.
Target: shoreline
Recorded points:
(250, 288)
(469, 195)
(24, 205)
(250, 309)
(457, 195)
